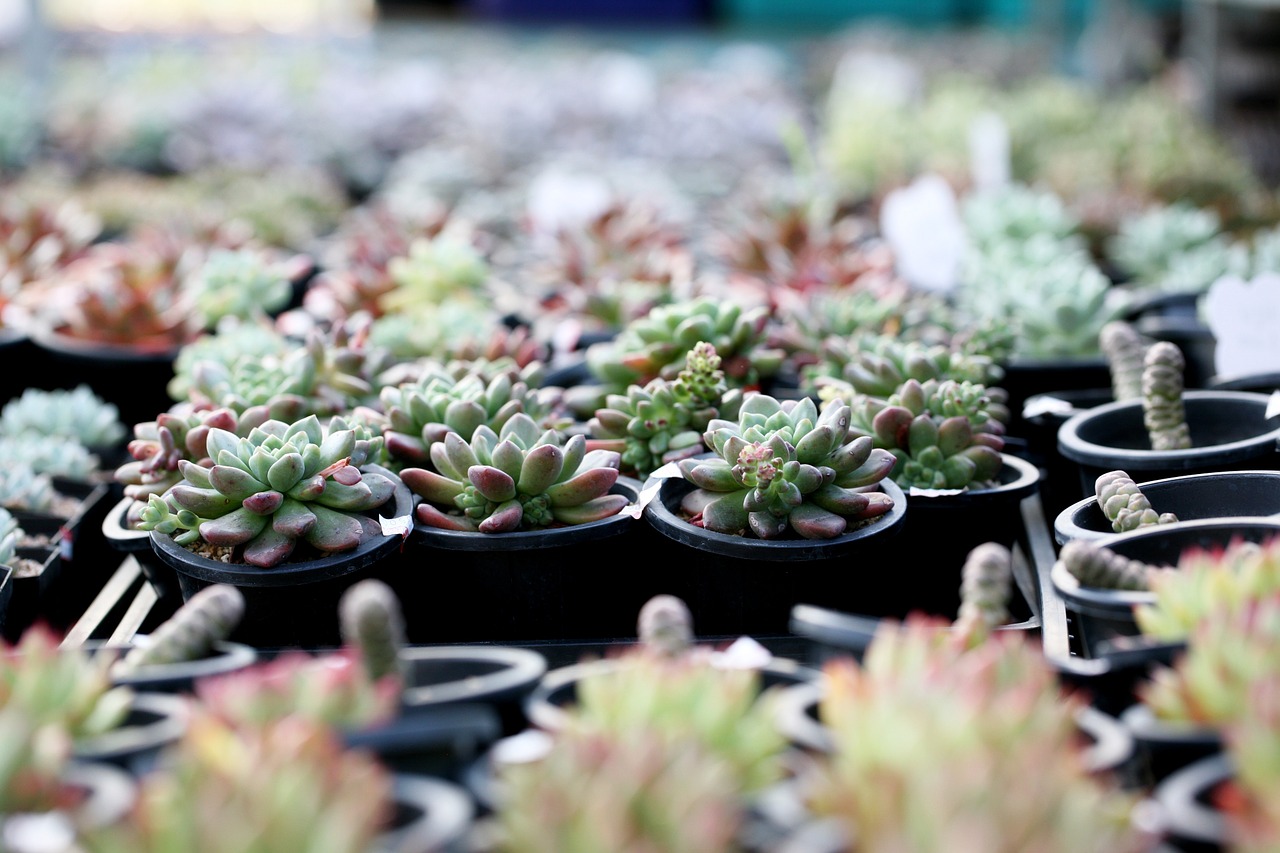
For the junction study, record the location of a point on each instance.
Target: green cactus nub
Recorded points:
(1125, 350)
(372, 624)
(1124, 504)
(1162, 384)
(207, 618)
(1094, 565)
(986, 584)
(665, 625)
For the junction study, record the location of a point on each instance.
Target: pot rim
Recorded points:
(447, 811)
(228, 657)
(521, 669)
(171, 711)
(1181, 812)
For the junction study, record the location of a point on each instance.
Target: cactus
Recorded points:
(665, 625)
(1163, 412)
(1124, 504)
(520, 478)
(207, 618)
(373, 625)
(78, 414)
(782, 468)
(280, 484)
(986, 584)
(419, 413)
(1125, 350)
(941, 434)
(664, 421)
(1094, 565)
(290, 786)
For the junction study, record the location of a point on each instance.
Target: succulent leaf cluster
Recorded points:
(436, 270)
(33, 756)
(79, 414)
(24, 488)
(1016, 212)
(782, 468)
(245, 282)
(1124, 504)
(10, 531)
(1252, 741)
(1148, 245)
(940, 433)
(38, 238)
(1163, 412)
(55, 455)
(521, 477)
(281, 484)
(663, 421)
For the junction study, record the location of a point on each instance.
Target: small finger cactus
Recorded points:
(987, 581)
(665, 625)
(373, 626)
(208, 617)
(784, 468)
(521, 478)
(1125, 350)
(280, 484)
(1124, 504)
(941, 434)
(663, 421)
(1162, 407)
(1096, 566)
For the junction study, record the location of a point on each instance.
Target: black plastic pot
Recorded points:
(294, 604)
(102, 795)
(154, 721)
(1110, 680)
(125, 540)
(1024, 378)
(1230, 431)
(499, 677)
(1162, 748)
(1104, 616)
(1190, 497)
(1258, 383)
(735, 585)
(1189, 818)
(431, 816)
(180, 676)
(30, 590)
(1043, 415)
(441, 741)
(524, 586)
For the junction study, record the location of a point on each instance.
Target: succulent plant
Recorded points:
(36, 239)
(280, 484)
(1124, 504)
(228, 341)
(289, 786)
(664, 421)
(1163, 412)
(23, 488)
(941, 434)
(1015, 212)
(437, 270)
(373, 626)
(985, 586)
(656, 345)
(10, 531)
(463, 329)
(993, 711)
(665, 625)
(69, 688)
(78, 414)
(521, 477)
(57, 456)
(1231, 580)
(419, 413)
(1125, 350)
(208, 617)
(782, 468)
(246, 282)
(1252, 741)
(33, 756)
(1146, 245)
(1094, 565)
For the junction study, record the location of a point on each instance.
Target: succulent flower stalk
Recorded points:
(1124, 504)
(1162, 409)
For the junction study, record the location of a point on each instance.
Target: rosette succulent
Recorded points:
(941, 434)
(783, 467)
(519, 478)
(280, 484)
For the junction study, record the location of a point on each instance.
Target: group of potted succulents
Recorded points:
(367, 469)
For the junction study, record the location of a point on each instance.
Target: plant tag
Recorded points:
(1273, 404)
(527, 746)
(921, 223)
(743, 653)
(399, 526)
(650, 492)
(1046, 404)
(989, 151)
(916, 491)
(1243, 316)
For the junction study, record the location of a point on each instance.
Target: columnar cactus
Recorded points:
(1124, 504)
(664, 421)
(280, 484)
(941, 434)
(521, 478)
(373, 627)
(208, 617)
(986, 583)
(783, 467)
(1162, 384)
(665, 625)
(1125, 349)
(1094, 565)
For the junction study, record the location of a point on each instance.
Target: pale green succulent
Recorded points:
(280, 484)
(1124, 504)
(228, 342)
(1017, 212)
(437, 270)
(57, 456)
(242, 283)
(1229, 582)
(78, 414)
(1146, 245)
(519, 478)
(23, 488)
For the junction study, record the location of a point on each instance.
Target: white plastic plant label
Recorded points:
(398, 526)
(647, 494)
(743, 653)
(921, 223)
(989, 162)
(1046, 404)
(1244, 316)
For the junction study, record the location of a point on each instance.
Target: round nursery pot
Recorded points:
(1024, 378)
(524, 586)
(1189, 817)
(430, 815)
(1044, 414)
(102, 795)
(1190, 496)
(1258, 383)
(153, 722)
(735, 585)
(294, 604)
(1230, 431)
(943, 527)
(1162, 748)
(1103, 616)
(498, 676)
(440, 741)
(545, 705)
(137, 543)
(180, 676)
